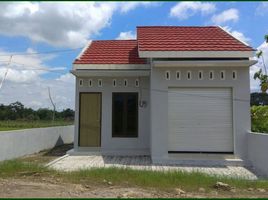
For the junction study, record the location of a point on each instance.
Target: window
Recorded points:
(125, 115)
(167, 75)
(125, 82)
(189, 75)
(100, 83)
(234, 75)
(81, 82)
(222, 75)
(211, 75)
(178, 75)
(137, 83)
(90, 83)
(200, 75)
(114, 82)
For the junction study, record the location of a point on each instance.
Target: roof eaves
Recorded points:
(236, 37)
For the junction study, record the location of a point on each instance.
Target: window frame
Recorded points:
(125, 82)
(116, 135)
(222, 72)
(114, 83)
(213, 75)
(200, 72)
(189, 73)
(234, 73)
(178, 73)
(81, 82)
(167, 75)
(137, 83)
(100, 84)
(90, 83)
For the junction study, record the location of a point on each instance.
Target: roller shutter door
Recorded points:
(200, 120)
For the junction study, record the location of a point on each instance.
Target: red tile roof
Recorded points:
(191, 38)
(111, 52)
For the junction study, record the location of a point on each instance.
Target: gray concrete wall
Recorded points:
(159, 104)
(17, 143)
(116, 145)
(258, 151)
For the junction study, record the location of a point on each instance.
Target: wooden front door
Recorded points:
(90, 120)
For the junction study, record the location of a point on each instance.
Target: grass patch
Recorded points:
(16, 168)
(17, 124)
(189, 181)
(166, 181)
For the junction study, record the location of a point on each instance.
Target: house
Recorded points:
(173, 91)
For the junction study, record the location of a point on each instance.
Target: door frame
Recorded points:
(80, 93)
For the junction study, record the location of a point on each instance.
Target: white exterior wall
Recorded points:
(110, 145)
(17, 143)
(159, 104)
(257, 152)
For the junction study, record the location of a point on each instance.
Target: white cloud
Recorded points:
(128, 6)
(35, 94)
(262, 9)
(60, 24)
(126, 35)
(254, 84)
(237, 34)
(230, 15)
(25, 82)
(184, 10)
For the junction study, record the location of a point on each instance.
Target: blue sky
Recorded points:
(38, 27)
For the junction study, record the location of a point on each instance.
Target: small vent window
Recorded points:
(167, 75)
(178, 75)
(211, 75)
(234, 75)
(100, 83)
(81, 82)
(125, 82)
(137, 83)
(200, 75)
(222, 75)
(90, 82)
(114, 82)
(189, 75)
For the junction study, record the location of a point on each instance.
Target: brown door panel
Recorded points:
(89, 120)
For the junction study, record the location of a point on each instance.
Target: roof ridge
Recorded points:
(171, 26)
(113, 40)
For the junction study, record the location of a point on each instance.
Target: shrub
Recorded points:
(259, 119)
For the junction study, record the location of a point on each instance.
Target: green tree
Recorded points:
(263, 78)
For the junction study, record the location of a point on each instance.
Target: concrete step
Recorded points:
(200, 160)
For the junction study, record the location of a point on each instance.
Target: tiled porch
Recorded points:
(72, 163)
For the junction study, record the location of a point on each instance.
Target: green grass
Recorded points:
(165, 181)
(259, 119)
(15, 125)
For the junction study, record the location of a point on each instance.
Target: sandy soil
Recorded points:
(52, 188)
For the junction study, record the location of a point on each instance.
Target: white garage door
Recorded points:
(200, 120)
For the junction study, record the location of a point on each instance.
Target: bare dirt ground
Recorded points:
(32, 185)
(46, 188)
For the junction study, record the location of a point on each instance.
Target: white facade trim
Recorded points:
(110, 73)
(196, 54)
(110, 66)
(209, 63)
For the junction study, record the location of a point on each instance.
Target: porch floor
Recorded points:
(72, 163)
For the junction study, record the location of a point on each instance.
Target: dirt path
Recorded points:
(27, 188)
